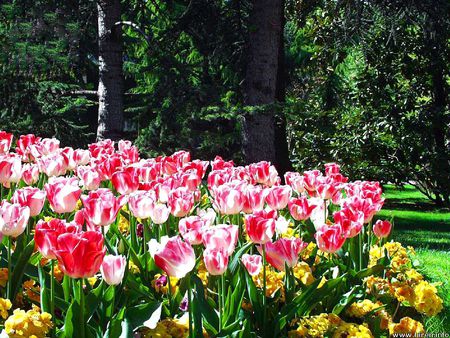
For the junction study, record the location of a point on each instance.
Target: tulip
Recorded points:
(326, 189)
(23, 145)
(128, 152)
(295, 181)
(332, 168)
(260, 172)
(101, 206)
(173, 256)
(5, 142)
(278, 197)
(329, 238)
(113, 269)
(283, 252)
(350, 221)
(367, 206)
(228, 200)
(81, 156)
(101, 148)
(253, 263)
(253, 199)
(311, 180)
(141, 203)
(218, 163)
(191, 229)
(63, 194)
(44, 147)
(30, 173)
(222, 236)
(33, 198)
(89, 177)
(47, 233)
(300, 208)
(107, 166)
(125, 181)
(159, 213)
(10, 169)
(180, 202)
(260, 227)
(80, 255)
(216, 261)
(13, 218)
(382, 229)
(52, 165)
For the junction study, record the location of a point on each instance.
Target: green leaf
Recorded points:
(204, 308)
(19, 268)
(237, 256)
(45, 292)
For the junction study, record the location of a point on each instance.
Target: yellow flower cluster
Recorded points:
(363, 308)
(426, 300)
(32, 324)
(202, 273)
(134, 269)
(3, 277)
(274, 281)
(396, 252)
(163, 289)
(123, 224)
(351, 330)
(169, 328)
(31, 290)
(5, 305)
(408, 326)
(307, 252)
(303, 272)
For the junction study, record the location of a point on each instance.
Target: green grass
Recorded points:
(419, 223)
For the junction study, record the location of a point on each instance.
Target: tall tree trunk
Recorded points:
(110, 85)
(262, 78)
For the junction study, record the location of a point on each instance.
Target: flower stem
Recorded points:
(219, 296)
(82, 326)
(8, 290)
(169, 294)
(191, 335)
(52, 290)
(264, 287)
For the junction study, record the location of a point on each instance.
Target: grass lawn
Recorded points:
(419, 223)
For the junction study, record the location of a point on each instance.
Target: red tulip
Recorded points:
(311, 180)
(221, 237)
(33, 198)
(350, 221)
(216, 261)
(13, 218)
(367, 206)
(107, 166)
(382, 229)
(260, 172)
(30, 173)
(81, 156)
(180, 202)
(260, 227)
(47, 233)
(332, 168)
(228, 200)
(23, 145)
(128, 152)
(329, 238)
(101, 148)
(101, 206)
(300, 208)
(278, 197)
(44, 147)
(141, 203)
(125, 181)
(253, 263)
(191, 229)
(80, 255)
(326, 188)
(283, 252)
(63, 194)
(5, 142)
(253, 198)
(113, 269)
(173, 256)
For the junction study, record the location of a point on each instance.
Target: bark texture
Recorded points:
(266, 31)
(110, 86)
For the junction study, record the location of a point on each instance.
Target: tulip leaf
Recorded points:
(137, 315)
(237, 256)
(45, 292)
(19, 268)
(207, 311)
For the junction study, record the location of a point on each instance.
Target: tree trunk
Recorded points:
(260, 141)
(110, 85)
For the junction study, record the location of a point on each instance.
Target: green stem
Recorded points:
(219, 296)
(191, 335)
(8, 290)
(360, 250)
(264, 287)
(52, 290)
(169, 294)
(82, 331)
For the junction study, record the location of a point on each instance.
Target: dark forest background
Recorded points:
(299, 83)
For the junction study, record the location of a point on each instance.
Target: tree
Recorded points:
(110, 85)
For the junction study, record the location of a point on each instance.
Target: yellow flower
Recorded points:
(303, 272)
(32, 291)
(274, 281)
(307, 252)
(315, 326)
(426, 300)
(350, 330)
(360, 309)
(159, 283)
(407, 326)
(3, 277)
(57, 273)
(169, 328)
(5, 305)
(203, 273)
(32, 323)
(123, 224)
(134, 269)
(322, 282)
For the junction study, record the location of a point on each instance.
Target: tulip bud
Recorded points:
(382, 229)
(113, 269)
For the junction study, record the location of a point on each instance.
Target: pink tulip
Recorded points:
(350, 221)
(81, 156)
(52, 165)
(329, 238)
(30, 173)
(278, 197)
(311, 180)
(10, 169)
(253, 263)
(283, 252)
(180, 202)
(222, 236)
(128, 152)
(80, 254)
(216, 261)
(300, 208)
(101, 148)
(44, 147)
(13, 219)
(5, 142)
(125, 181)
(191, 229)
(33, 198)
(218, 163)
(89, 177)
(260, 172)
(332, 168)
(295, 181)
(47, 233)
(141, 203)
(107, 166)
(160, 213)
(253, 199)
(23, 145)
(228, 200)
(382, 229)
(366, 206)
(260, 227)
(173, 256)
(326, 188)
(113, 269)
(63, 194)
(101, 206)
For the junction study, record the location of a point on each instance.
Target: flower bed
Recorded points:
(99, 242)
